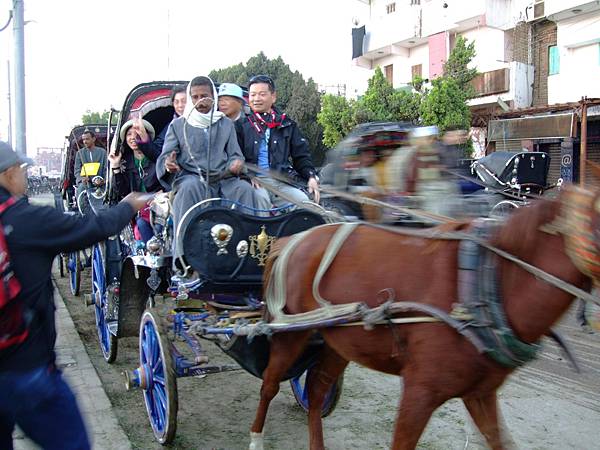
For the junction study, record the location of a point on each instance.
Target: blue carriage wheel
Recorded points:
(74, 269)
(300, 391)
(108, 341)
(158, 378)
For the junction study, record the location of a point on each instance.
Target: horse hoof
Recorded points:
(256, 441)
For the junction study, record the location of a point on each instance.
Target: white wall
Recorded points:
(579, 72)
(489, 48)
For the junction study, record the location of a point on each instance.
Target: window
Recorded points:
(553, 60)
(389, 73)
(416, 71)
(390, 7)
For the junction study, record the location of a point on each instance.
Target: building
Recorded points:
(49, 160)
(531, 55)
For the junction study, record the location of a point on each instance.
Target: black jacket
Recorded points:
(34, 236)
(128, 180)
(288, 149)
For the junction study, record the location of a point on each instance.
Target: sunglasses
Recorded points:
(262, 79)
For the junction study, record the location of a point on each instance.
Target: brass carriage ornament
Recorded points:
(260, 245)
(221, 235)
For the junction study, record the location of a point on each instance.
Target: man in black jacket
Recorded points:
(272, 141)
(32, 393)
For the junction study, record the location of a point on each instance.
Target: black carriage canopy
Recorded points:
(504, 169)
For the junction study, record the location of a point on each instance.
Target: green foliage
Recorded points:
(337, 117)
(296, 97)
(94, 117)
(381, 102)
(456, 66)
(445, 105)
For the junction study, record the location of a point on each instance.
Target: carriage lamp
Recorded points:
(154, 246)
(221, 234)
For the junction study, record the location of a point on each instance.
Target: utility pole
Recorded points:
(19, 38)
(9, 140)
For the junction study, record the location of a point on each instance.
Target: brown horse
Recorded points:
(435, 361)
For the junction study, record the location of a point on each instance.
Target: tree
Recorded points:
(381, 102)
(298, 98)
(337, 117)
(93, 118)
(445, 105)
(457, 65)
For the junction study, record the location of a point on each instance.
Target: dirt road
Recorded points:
(546, 405)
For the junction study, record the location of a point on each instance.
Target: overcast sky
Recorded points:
(84, 54)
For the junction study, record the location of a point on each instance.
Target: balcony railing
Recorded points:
(492, 82)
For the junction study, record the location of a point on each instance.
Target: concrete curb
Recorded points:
(104, 429)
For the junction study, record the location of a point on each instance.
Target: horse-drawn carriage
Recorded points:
(214, 289)
(66, 199)
(362, 165)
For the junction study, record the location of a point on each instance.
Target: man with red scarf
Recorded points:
(272, 141)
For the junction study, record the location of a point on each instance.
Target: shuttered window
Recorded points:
(553, 60)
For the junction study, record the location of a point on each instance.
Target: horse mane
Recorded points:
(521, 228)
(273, 255)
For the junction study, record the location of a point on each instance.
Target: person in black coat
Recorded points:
(272, 141)
(33, 394)
(134, 167)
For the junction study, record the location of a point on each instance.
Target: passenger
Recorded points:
(178, 99)
(231, 101)
(270, 139)
(90, 162)
(431, 185)
(33, 394)
(134, 168)
(183, 162)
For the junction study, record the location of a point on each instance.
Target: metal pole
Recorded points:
(19, 38)
(583, 142)
(9, 140)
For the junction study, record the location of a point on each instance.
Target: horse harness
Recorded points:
(478, 315)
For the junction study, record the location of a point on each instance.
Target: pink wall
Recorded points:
(438, 53)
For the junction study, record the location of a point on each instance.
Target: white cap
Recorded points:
(424, 131)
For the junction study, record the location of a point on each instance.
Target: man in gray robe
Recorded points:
(182, 165)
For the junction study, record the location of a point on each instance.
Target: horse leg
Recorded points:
(416, 407)
(323, 375)
(286, 348)
(484, 411)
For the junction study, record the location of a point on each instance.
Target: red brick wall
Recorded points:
(544, 35)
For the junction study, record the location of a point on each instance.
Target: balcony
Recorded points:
(393, 34)
(509, 84)
(557, 10)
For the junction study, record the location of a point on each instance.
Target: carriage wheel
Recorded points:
(503, 209)
(108, 341)
(299, 388)
(160, 385)
(74, 269)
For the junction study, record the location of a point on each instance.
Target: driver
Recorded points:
(182, 165)
(90, 164)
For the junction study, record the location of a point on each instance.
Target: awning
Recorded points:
(539, 127)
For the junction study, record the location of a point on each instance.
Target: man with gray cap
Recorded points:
(33, 394)
(231, 101)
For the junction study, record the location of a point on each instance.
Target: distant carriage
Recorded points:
(65, 199)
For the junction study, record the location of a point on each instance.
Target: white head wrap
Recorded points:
(197, 119)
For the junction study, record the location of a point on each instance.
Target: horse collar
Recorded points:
(479, 295)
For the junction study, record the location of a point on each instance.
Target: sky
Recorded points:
(84, 54)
